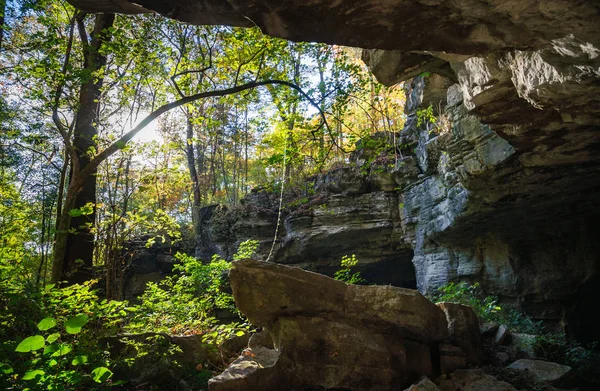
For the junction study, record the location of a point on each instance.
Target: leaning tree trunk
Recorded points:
(74, 249)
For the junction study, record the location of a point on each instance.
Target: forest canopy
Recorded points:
(117, 127)
(216, 109)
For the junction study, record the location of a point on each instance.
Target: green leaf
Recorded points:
(46, 324)
(30, 344)
(240, 333)
(6, 369)
(52, 337)
(52, 363)
(101, 374)
(30, 375)
(74, 325)
(75, 213)
(50, 349)
(63, 349)
(79, 360)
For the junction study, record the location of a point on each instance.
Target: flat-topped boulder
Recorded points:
(331, 335)
(267, 292)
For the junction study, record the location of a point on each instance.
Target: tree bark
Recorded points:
(2, 12)
(79, 248)
(195, 182)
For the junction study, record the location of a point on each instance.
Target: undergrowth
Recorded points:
(550, 346)
(55, 338)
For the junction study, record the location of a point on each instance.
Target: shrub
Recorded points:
(486, 307)
(345, 272)
(62, 351)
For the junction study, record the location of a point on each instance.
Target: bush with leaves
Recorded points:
(58, 352)
(185, 303)
(345, 272)
(486, 307)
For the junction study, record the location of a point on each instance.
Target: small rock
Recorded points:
(502, 357)
(525, 343)
(502, 335)
(545, 371)
(473, 380)
(488, 328)
(423, 385)
(255, 369)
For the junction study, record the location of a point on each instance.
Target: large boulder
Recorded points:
(331, 335)
(463, 327)
(266, 292)
(544, 371)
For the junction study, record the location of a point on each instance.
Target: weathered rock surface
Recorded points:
(331, 335)
(543, 371)
(480, 213)
(464, 26)
(255, 369)
(463, 328)
(473, 380)
(423, 385)
(141, 264)
(349, 212)
(293, 292)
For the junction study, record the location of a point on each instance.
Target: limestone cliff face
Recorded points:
(501, 190)
(511, 178)
(344, 212)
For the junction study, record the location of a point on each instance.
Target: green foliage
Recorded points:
(486, 307)
(425, 116)
(186, 302)
(60, 351)
(345, 272)
(62, 363)
(246, 250)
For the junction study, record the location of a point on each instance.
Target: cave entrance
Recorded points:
(397, 271)
(580, 325)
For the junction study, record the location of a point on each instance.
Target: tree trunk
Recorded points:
(73, 258)
(2, 12)
(197, 198)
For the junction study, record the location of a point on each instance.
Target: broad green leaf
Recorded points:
(30, 375)
(6, 369)
(75, 213)
(74, 325)
(50, 349)
(79, 360)
(52, 363)
(32, 343)
(101, 374)
(240, 333)
(46, 324)
(63, 349)
(52, 337)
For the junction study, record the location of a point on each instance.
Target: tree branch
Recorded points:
(121, 142)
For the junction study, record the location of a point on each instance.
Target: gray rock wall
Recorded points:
(502, 190)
